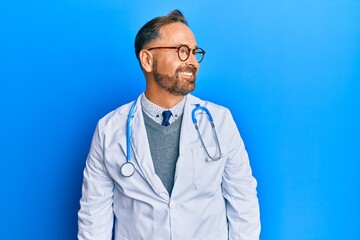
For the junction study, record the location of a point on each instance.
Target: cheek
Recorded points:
(173, 66)
(167, 68)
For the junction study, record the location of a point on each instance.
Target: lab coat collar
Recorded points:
(188, 134)
(188, 138)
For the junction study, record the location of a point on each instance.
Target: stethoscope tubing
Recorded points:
(193, 117)
(128, 169)
(128, 132)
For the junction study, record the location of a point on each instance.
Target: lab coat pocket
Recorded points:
(207, 173)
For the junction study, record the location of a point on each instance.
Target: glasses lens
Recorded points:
(184, 52)
(199, 54)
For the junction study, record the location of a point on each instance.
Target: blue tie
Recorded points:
(166, 116)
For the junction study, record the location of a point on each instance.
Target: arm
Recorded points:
(95, 217)
(239, 190)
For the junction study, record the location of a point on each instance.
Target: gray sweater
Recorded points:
(164, 148)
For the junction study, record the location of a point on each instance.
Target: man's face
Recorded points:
(176, 76)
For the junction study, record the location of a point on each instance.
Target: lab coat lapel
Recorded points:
(188, 135)
(141, 151)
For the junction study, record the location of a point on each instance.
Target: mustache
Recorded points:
(187, 68)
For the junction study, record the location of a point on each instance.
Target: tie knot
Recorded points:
(166, 116)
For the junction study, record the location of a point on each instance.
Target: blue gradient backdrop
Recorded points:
(288, 70)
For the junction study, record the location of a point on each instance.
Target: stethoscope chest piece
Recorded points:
(127, 169)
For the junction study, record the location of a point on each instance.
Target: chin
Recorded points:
(185, 92)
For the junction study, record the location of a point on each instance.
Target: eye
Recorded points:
(183, 50)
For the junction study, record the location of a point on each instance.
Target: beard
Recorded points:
(176, 84)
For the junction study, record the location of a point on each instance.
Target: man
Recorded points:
(151, 172)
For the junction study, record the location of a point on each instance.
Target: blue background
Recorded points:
(288, 70)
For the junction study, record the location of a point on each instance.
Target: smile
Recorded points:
(188, 74)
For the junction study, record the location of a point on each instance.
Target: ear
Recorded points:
(146, 60)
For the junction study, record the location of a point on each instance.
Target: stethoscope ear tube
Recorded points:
(198, 107)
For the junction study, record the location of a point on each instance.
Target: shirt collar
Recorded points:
(155, 112)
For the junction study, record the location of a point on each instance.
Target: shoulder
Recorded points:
(115, 120)
(119, 112)
(221, 115)
(213, 107)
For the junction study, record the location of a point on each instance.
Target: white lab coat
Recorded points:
(210, 200)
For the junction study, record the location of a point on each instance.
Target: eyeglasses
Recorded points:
(183, 52)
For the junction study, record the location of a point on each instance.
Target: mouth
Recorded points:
(187, 74)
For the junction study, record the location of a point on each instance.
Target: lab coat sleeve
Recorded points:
(239, 190)
(95, 217)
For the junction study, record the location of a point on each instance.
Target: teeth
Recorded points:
(187, 74)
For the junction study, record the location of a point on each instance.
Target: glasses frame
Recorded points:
(194, 51)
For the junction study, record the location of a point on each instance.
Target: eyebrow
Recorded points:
(181, 44)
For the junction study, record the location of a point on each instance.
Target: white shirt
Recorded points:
(155, 112)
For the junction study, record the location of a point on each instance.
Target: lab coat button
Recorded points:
(172, 205)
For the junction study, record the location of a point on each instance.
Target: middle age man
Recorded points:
(179, 182)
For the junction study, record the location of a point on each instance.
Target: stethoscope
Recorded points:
(128, 169)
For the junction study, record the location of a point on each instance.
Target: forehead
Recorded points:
(177, 34)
